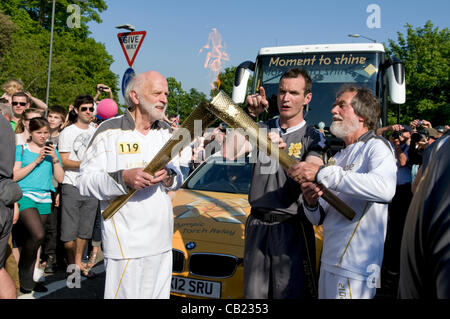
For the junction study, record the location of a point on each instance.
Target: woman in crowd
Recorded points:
(10, 87)
(35, 165)
(22, 131)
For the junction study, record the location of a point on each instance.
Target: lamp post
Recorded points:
(50, 54)
(361, 36)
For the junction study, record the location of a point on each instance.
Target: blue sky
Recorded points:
(177, 30)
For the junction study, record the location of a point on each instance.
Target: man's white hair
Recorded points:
(134, 85)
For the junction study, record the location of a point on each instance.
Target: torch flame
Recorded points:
(216, 56)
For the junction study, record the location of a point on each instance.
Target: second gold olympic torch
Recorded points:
(225, 109)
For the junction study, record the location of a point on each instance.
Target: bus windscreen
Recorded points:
(328, 71)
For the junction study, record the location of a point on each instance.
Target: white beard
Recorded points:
(151, 110)
(343, 128)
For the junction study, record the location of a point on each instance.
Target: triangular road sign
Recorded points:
(131, 43)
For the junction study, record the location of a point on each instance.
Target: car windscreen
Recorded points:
(219, 175)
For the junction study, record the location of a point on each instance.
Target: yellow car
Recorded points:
(210, 211)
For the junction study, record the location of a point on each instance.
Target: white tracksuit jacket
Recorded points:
(364, 177)
(144, 225)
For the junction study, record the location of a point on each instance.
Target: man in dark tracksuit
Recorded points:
(279, 256)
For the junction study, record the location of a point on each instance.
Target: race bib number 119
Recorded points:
(129, 148)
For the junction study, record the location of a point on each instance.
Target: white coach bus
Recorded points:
(330, 66)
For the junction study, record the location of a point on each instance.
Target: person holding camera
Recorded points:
(425, 251)
(186, 153)
(100, 89)
(398, 208)
(423, 136)
(36, 163)
(214, 140)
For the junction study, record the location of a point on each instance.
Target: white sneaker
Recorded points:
(38, 275)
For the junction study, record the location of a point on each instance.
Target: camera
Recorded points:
(48, 143)
(415, 149)
(102, 88)
(420, 135)
(420, 123)
(396, 135)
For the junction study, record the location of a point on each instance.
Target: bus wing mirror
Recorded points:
(241, 80)
(396, 78)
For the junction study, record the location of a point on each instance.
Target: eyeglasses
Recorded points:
(84, 109)
(17, 103)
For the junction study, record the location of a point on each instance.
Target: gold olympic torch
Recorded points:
(225, 109)
(164, 155)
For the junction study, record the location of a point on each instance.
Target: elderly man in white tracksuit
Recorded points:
(363, 175)
(137, 240)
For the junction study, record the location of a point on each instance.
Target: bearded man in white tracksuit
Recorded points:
(137, 240)
(363, 175)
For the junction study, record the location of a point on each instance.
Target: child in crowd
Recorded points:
(57, 119)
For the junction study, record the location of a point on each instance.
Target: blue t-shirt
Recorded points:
(39, 180)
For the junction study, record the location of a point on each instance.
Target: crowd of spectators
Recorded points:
(409, 141)
(48, 234)
(55, 226)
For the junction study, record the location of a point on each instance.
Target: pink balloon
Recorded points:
(106, 108)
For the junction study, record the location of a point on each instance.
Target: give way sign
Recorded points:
(131, 43)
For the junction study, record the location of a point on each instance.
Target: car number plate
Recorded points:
(195, 287)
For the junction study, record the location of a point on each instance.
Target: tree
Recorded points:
(425, 52)
(39, 11)
(181, 102)
(225, 83)
(78, 62)
(7, 28)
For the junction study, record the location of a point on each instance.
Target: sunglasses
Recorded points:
(19, 103)
(84, 109)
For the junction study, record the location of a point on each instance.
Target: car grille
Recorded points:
(177, 260)
(213, 265)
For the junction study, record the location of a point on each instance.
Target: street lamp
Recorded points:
(126, 27)
(361, 36)
(50, 55)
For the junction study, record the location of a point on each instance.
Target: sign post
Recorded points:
(131, 43)
(127, 77)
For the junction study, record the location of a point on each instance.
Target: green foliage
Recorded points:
(226, 79)
(7, 28)
(40, 11)
(79, 63)
(182, 102)
(425, 52)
